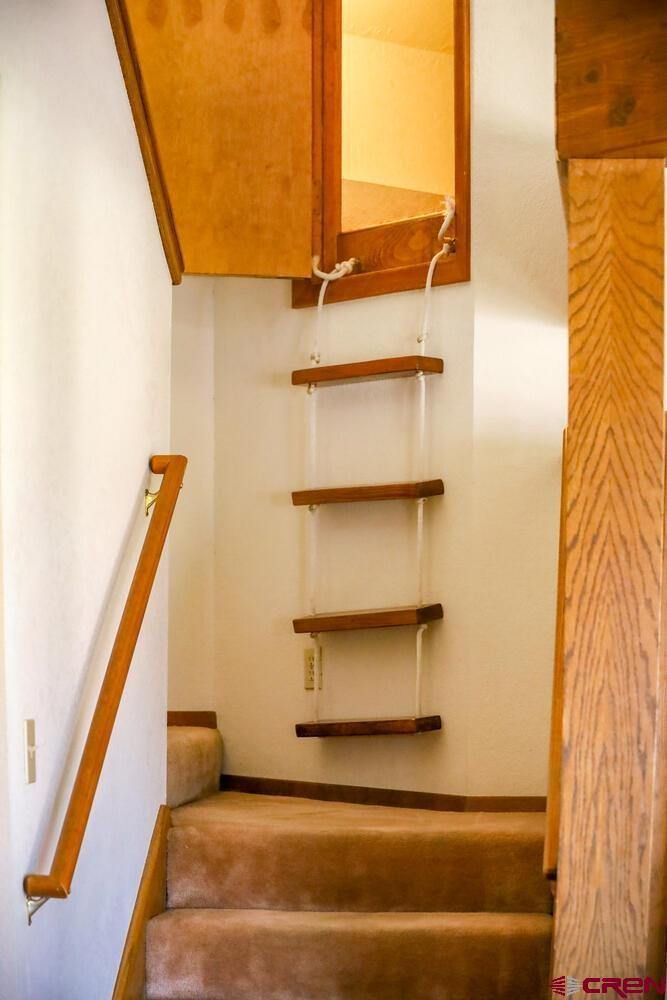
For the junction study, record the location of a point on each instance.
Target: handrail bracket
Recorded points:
(34, 903)
(149, 500)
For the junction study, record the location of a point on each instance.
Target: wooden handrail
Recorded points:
(58, 882)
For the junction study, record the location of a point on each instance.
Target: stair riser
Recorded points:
(216, 954)
(360, 870)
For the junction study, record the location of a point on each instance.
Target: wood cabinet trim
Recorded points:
(129, 65)
(391, 271)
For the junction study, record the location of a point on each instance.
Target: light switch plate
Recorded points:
(30, 751)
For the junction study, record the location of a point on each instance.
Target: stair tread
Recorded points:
(366, 371)
(337, 728)
(370, 493)
(286, 811)
(342, 918)
(344, 621)
(245, 954)
(268, 852)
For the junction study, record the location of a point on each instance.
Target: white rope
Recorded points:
(420, 550)
(418, 670)
(421, 426)
(450, 210)
(340, 271)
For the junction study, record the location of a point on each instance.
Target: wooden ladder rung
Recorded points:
(410, 726)
(359, 494)
(346, 621)
(368, 371)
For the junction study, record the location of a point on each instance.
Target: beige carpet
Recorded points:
(273, 898)
(275, 853)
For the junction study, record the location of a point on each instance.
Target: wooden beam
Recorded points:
(611, 58)
(609, 918)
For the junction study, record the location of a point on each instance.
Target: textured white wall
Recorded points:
(495, 427)
(520, 282)
(85, 357)
(192, 589)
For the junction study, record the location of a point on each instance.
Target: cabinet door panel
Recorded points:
(227, 86)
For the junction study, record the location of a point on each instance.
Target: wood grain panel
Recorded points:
(151, 900)
(369, 727)
(348, 621)
(611, 78)
(610, 800)
(556, 741)
(228, 92)
(363, 494)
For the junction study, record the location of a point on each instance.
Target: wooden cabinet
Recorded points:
(239, 111)
(226, 94)
(390, 228)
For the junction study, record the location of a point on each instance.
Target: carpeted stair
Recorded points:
(275, 898)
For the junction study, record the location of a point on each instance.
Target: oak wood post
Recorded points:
(610, 907)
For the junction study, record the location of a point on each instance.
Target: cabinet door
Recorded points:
(227, 92)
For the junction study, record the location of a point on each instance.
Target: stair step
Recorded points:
(368, 371)
(236, 850)
(194, 763)
(248, 954)
(406, 726)
(345, 621)
(360, 494)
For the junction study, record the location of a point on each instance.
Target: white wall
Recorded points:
(192, 589)
(495, 428)
(85, 356)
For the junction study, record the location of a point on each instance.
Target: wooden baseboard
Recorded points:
(381, 796)
(203, 720)
(151, 900)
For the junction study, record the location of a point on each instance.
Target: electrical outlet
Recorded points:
(30, 751)
(309, 669)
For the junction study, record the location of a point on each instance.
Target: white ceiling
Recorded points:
(423, 24)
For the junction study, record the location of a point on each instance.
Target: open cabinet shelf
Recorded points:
(347, 621)
(361, 494)
(368, 371)
(410, 726)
